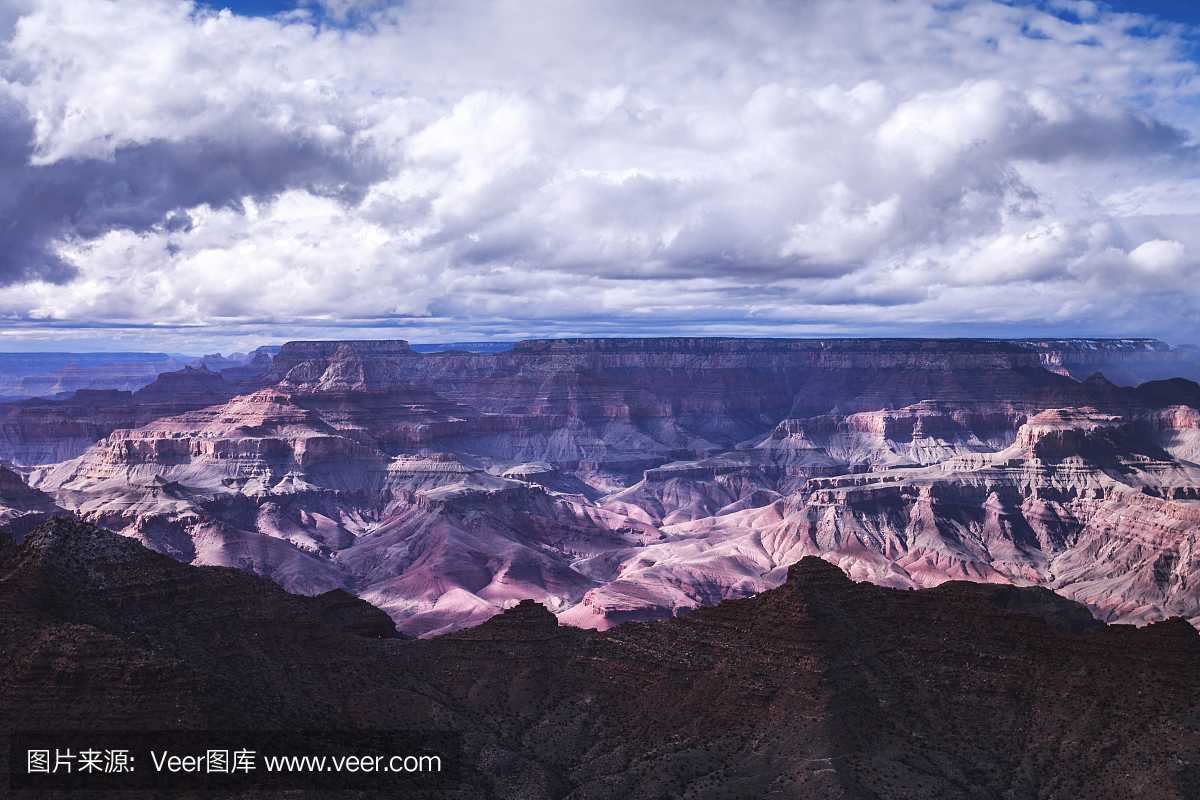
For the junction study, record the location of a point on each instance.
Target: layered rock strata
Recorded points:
(617, 480)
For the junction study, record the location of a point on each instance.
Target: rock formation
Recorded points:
(617, 480)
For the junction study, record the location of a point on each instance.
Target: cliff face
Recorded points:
(616, 480)
(316, 357)
(819, 688)
(631, 396)
(710, 382)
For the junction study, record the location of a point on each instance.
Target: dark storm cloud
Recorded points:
(148, 185)
(29, 219)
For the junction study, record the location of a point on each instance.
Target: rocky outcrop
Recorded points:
(195, 386)
(1062, 433)
(1079, 502)
(342, 611)
(215, 362)
(100, 632)
(316, 357)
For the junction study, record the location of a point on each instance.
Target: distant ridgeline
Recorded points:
(59, 375)
(1125, 362)
(44, 363)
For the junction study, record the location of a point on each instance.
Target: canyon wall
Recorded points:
(620, 480)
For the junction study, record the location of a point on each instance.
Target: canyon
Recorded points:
(626, 480)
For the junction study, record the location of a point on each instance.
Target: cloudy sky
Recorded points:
(191, 177)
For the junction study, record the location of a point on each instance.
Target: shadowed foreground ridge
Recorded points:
(820, 688)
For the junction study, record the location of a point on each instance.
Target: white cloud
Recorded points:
(846, 231)
(934, 129)
(1039, 253)
(570, 166)
(1158, 257)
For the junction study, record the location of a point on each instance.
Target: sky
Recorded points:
(200, 177)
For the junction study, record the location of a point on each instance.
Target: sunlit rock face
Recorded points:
(619, 480)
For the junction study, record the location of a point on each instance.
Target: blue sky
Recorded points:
(1177, 10)
(257, 8)
(188, 178)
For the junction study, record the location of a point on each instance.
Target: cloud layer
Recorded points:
(450, 169)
